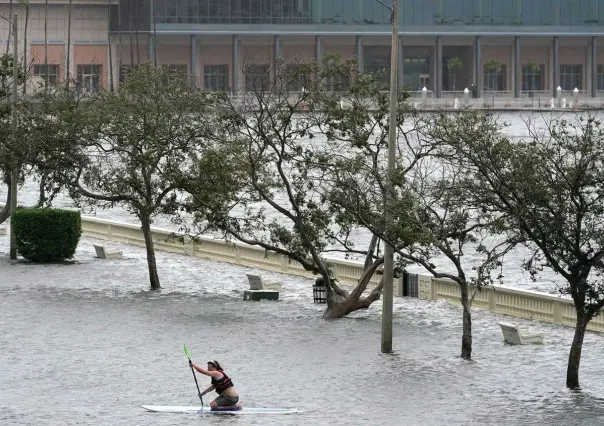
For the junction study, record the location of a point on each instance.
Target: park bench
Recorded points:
(2, 230)
(261, 290)
(101, 253)
(516, 335)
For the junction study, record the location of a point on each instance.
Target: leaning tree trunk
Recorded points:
(574, 357)
(151, 263)
(466, 336)
(355, 301)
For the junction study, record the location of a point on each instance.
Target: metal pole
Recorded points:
(392, 130)
(14, 172)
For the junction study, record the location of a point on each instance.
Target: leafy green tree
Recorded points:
(138, 146)
(454, 64)
(550, 189)
(280, 206)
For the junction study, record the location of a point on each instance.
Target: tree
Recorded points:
(137, 147)
(535, 70)
(452, 226)
(10, 155)
(493, 67)
(454, 64)
(279, 206)
(431, 216)
(550, 187)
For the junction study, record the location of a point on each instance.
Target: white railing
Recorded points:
(497, 299)
(502, 300)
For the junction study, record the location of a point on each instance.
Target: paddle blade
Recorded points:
(187, 352)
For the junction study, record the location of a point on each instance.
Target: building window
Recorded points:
(48, 73)
(296, 77)
(600, 77)
(571, 77)
(494, 78)
(178, 71)
(533, 77)
(257, 78)
(89, 77)
(216, 78)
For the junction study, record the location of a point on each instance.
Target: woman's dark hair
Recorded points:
(216, 364)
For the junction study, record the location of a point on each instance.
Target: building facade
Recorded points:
(508, 47)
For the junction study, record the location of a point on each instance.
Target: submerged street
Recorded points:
(87, 344)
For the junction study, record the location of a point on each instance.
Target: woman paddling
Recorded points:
(222, 384)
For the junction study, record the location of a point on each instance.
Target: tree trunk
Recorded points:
(466, 336)
(5, 212)
(25, 64)
(151, 263)
(574, 358)
(110, 49)
(342, 309)
(46, 43)
(68, 70)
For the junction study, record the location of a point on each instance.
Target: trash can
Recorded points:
(319, 291)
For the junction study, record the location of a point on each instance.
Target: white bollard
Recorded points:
(575, 96)
(564, 103)
(424, 94)
(553, 103)
(559, 96)
(456, 104)
(466, 95)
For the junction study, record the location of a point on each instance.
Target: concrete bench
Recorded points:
(257, 295)
(516, 335)
(2, 230)
(257, 283)
(101, 253)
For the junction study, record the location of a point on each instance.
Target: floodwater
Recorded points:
(86, 344)
(514, 274)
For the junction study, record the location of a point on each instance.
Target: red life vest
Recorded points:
(223, 384)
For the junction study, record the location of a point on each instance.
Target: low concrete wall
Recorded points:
(514, 302)
(496, 299)
(346, 272)
(499, 299)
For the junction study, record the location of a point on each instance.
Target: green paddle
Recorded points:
(194, 376)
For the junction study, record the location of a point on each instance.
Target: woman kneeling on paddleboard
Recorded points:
(222, 384)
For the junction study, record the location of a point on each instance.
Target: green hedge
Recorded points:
(47, 235)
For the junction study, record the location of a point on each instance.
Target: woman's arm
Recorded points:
(208, 390)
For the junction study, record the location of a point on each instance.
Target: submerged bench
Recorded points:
(260, 289)
(257, 283)
(516, 335)
(101, 253)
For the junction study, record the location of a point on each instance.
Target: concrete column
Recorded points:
(359, 53)
(193, 57)
(438, 83)
(517, 73)
(276, 56)
(401, 63)
(594, 67)
(556, 65)
(235, 86)
(588, 83)
(318, 52)
(151, 49)
(478, 76)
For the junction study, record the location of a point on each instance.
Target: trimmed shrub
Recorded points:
(47, 235)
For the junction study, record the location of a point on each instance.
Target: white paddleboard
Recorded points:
(206, 410)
